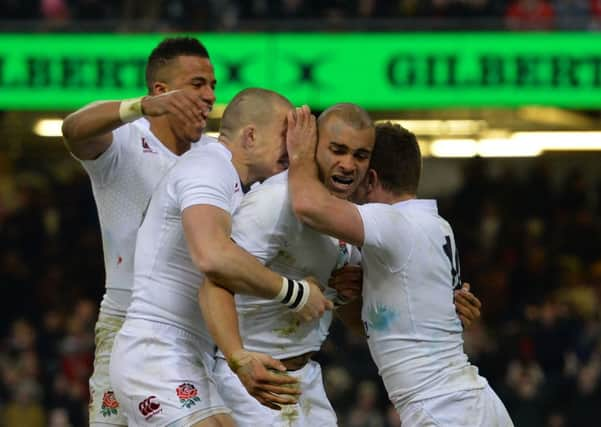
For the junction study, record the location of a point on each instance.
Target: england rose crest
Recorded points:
(109, 404)
(188, 395)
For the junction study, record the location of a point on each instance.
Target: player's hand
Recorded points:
(301, 136)
(316, 305)
(467, 305)
(185, 104)
(265, 378)
(348, 283)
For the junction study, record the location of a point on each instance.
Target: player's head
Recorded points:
(346, 140)
(178, 63)
(395, 166)
(256, 120)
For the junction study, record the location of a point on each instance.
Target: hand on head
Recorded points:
(301, 136)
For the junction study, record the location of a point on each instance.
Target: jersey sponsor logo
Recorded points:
(187, 394)
(110, 405)
(145, 147)
(148, 408)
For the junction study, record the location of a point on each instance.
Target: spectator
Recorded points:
(529, 15)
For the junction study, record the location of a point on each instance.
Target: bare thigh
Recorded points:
(219, 420)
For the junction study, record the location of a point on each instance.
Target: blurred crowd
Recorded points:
(203, 15)
(530, 248)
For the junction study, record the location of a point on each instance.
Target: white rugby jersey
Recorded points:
(166, 281)
(266, 227)
(410, 268)
(123, 178)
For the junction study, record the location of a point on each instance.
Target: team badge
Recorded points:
(109, 404)
(188, 395)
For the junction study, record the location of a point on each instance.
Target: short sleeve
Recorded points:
(388, 234)
(104, 168)
(260, 225)
(205, 180)
(371, 225)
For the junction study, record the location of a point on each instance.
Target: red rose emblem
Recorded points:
(109, 401)
(186, 391)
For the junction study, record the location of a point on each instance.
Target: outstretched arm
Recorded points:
(88, 131)
(311, 201)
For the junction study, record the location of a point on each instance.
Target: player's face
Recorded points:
(270, 152)
(197, 74)
(343, 155)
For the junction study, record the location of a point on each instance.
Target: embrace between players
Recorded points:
(217, 297)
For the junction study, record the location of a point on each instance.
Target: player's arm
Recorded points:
(311, 201)
(207, 229)
(88, 131)
(219, 311)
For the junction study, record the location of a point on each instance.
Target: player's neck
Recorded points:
(168, 139)
(239, 160)
(395, 198)
(383, 196)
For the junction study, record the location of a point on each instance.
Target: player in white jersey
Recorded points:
(159, 361)
(266, 226)
(410, 268)
(126, 156)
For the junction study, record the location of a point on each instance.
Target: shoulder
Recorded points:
(205, 139)
(372, 209)
(268, 200)
(276, 186)
(271, 195)
(211, 159)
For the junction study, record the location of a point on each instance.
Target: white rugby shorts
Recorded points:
(470, 408)
(104, 407)
(312, 410)
(159, 376)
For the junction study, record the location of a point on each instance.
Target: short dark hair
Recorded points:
(397, 159)
(169, 49)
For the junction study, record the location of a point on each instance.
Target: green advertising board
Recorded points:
(377, 71)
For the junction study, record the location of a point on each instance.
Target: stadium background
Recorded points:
(525, 205)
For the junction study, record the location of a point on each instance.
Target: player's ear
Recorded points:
(249, 136)
(159, 88)
(372, 180)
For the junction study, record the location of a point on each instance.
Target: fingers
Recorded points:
(271, 363)
(348, 269)
(182, 103)
(291, 117)
(470, 313)
(316, 304)
(466, 322)
(465, 286)
(467, 298)
(346, 280)
(273, 401)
